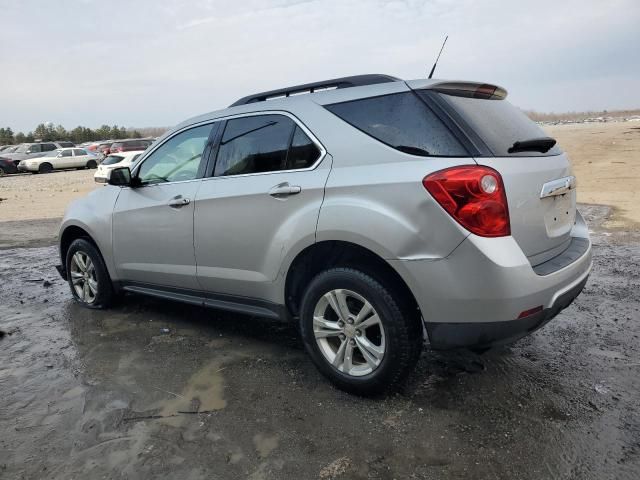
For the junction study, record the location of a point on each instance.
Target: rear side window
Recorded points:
(498, 123)
(78, 152)
(303, 153)
(402, 121)
(254, 144)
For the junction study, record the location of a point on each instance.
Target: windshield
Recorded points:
(111, 159)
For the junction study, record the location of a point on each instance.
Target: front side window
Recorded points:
(402, 121)
(65, 153)
(178, 159)
(47, 147)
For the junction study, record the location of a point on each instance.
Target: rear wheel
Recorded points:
(358, 332)
(92, 164)
(45, 168)
(88, 276)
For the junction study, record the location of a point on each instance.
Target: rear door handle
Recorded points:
(179, 201)
(284, 190)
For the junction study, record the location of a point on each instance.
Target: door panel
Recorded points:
(244, 225)
(153, 240)
(153, 222)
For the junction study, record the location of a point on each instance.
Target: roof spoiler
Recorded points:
(344, 82)
(471, 90)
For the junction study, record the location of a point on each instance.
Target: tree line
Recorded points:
(80, 134)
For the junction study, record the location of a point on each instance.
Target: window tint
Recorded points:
(402, 121)
(177, 159)
(254, 144)
(79, 152)
(303, 152)
(35, 148)
(48, 147)
(65, 153)
(498, 123)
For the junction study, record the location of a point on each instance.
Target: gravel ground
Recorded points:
(153, 389)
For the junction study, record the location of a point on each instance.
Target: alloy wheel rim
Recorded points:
(83, 277)
(349, 332)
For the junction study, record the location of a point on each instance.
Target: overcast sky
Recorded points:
(156, 62)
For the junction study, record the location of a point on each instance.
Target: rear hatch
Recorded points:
(537, 175)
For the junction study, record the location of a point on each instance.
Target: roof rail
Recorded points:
(344, 82)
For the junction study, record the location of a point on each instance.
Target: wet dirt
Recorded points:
(153, 389)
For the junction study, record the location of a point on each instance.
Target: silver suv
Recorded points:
(371, 210)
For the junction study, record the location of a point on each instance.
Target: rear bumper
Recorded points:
(475, 296)
(490, 334)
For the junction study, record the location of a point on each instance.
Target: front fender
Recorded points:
(93, 214)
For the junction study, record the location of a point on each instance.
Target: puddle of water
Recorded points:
(202, 393)
(265, 444)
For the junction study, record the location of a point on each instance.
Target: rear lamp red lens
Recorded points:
(474, 196)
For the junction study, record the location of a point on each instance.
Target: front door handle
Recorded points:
(284, 190)
(179, 201)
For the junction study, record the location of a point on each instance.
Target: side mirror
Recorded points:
(120, 177)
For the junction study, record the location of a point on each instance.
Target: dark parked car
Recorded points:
(7, 166)
(129, 145)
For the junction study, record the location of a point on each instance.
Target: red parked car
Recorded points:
(129, 145)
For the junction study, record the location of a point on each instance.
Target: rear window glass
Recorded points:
(499, 124)
(111, 159)
(402, 121)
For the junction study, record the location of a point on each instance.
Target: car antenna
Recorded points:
(438, 58)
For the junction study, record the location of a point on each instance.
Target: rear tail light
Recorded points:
(474, 196)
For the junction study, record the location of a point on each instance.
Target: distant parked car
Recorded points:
(9, 149)
(126, 159)
(59, 159)
(104, 148)
(27, 151)
(5, 147)
(7, 166)
(129, 145)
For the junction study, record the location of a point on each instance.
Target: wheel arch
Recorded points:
(337, 253)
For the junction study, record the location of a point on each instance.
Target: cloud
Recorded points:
(159, 62)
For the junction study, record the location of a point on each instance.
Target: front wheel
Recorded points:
(88, 276)
(91, 164)
(359, 333)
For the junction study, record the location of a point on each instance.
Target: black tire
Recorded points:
(105, 294)
(45, 168)
(402, 329)
(92, 164)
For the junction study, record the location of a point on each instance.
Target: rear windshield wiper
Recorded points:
(542, 145)
(412, 150)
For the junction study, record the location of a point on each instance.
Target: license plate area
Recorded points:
(560, 214)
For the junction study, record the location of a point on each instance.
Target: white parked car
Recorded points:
(124, 159)
(58, 160)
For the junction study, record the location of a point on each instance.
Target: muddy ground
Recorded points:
(153, 389)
